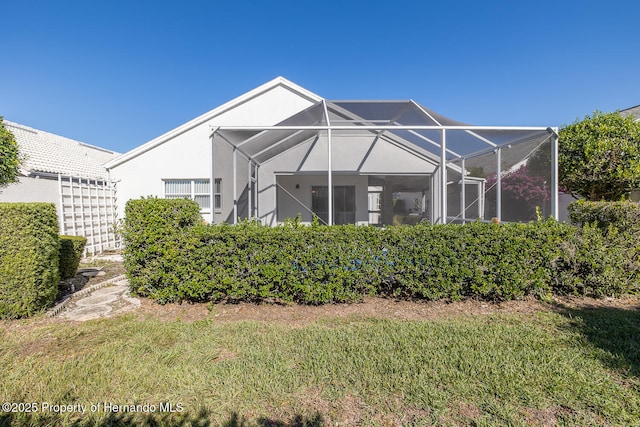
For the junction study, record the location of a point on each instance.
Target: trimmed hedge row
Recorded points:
(28, 258)
(170, 256)
(71, 249)
(624, 215)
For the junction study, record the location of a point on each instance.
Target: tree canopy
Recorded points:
(9, 156)
(599, 157)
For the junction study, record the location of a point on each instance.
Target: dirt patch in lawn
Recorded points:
(294, 315)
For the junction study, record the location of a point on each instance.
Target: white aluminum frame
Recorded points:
(443, 165)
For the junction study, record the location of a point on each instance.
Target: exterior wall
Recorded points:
(363, 153)
(223, 168)
(300, 187)
(564, 200)
(355, 154)
(184, 157)
(85, 207)
(187, 155)
(436, 199)
(29, 189)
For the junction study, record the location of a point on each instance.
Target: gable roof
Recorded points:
(633, 111)
(278, 81)
(50, 153)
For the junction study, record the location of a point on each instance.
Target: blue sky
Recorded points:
(119, 73)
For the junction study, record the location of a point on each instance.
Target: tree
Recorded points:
(599, 157)
(523, 191)
(9, 156)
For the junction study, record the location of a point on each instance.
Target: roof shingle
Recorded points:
(47, 152)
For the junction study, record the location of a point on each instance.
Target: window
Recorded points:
(194, 189)
(344, 203)
(217, 194)
(375, 204)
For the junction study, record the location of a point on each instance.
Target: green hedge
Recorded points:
(148, 223)
(624, 215)
(604, 257)
(176, 258)
(71, 249)
(599, 262)
(28, 258)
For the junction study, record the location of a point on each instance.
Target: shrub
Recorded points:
(186, 260)
(603, 258)
(28, 258)
(598, 262)
(149, 218)
(624, 215)
(71, 249)
(150, 224)
(10, 158)
(314, 265)
(599, 157)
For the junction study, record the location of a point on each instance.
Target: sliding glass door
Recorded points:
(344, 203)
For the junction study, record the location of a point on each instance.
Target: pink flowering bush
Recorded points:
(522, 192)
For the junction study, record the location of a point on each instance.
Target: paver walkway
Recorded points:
(105, 301)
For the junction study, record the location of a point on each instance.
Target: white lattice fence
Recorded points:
(88, 208)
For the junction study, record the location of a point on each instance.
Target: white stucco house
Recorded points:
(280, 151)
(70, 175)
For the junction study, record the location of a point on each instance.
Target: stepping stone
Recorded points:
(111, 299)
(110, 290)
(96, 300)
(87, 313)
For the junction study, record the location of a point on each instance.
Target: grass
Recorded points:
(556, 367)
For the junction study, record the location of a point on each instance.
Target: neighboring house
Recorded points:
(70, 175)
(280, 151)
(633, 111)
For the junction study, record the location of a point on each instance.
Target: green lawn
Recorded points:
(556, 367)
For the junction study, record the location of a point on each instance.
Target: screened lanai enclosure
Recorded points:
(381, 163)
